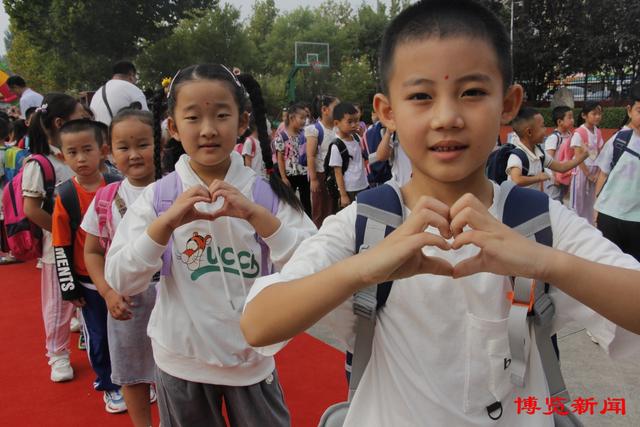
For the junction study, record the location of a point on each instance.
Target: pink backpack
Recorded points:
(103, 200)
(240, 146)
(23, 236)
(564, 153)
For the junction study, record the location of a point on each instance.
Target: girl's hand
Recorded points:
(314, 185)
(503, 251)
(183, 210)
(400, 254)
(286, 181)
(593, 178)
(118, 305)
(235, 203)
(344, 201)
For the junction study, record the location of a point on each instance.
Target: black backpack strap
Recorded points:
(69, 284)
(104, 98)
(69, 198)
(620, 145)
(523, 158)
(344, 153)
(111, 178)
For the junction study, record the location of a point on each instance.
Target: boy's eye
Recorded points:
(474, 92)
(420, 97)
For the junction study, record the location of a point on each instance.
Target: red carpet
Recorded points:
(311, 372)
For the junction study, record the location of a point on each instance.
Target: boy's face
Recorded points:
(537, 129)
(81, 152)
(447, 102)
(633, 112)
(348, 124)
(567, 121)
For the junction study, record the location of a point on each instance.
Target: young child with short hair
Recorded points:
(81, 143)
(562, 117)
(526, 167)
(352, 177)
(441, 354)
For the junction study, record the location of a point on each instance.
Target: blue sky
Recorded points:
(243, 5)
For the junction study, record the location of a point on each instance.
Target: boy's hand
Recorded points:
(118, 305)
(503, 251)
(344, 200)
(183, 210)
(400, 254)
(542, 176)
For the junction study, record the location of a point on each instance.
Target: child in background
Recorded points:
(562, 117)
(287, 145)
(57, 108)
(618, 186)
(317, 149)
(586, 138)
(251, 151)
(82, 146)
(441, 353)
(5, 125)
(213, 257)
(352, 177)
(132, 367)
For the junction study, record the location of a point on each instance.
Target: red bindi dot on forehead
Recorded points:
(206, 103)
(446, 77)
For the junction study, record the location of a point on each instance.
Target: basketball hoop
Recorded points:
(316, 66)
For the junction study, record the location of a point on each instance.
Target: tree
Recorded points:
(259, 28)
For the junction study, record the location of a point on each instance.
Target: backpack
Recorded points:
(496, 169)
(24, 237)
(329, 173)
(169, 187)
(379, 212)
(621, 145)
(105, 197)
(240, 146)
(379, 172)
(564, 152)
(14, 158)
(302, 159)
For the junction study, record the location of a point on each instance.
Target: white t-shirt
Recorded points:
(30, 98)
(355, 177)
(591, 146)
(33, 186)
(323, 149)
(440, 343)
(127, 192)
(535, 163)
(251, 147)
(120, 94)
(620, 196)
(554, 141)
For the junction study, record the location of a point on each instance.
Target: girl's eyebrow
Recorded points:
(195, 105)
(475, 77)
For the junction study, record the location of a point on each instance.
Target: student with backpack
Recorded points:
(212, 227)
(318, 137)
(288, 145)
(618, 187)
(527, 162)
(250, 150)
(452, 346)
(345, 161)
(131, 139)
(586, 138)
(81, 145)
(557, 146)
(42, 172)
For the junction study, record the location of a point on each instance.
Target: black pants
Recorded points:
(625, 234)
(301, 183)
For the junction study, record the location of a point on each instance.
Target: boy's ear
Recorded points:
(58, 122)
(382, 107)
(173, 130)
(511, 103)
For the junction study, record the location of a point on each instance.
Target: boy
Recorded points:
(441, 351)
(618, 186)
(529, 126)
(562, 117)
(82, 145)
(350, 178)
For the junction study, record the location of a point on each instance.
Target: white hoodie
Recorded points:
(195, 325)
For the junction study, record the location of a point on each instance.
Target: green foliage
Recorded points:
(612, 117)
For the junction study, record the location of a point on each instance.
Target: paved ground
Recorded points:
(588, 372)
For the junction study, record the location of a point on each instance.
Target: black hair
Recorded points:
(85, 125)
(634, 96)
(342, 109)
(89, 111)
(18, 129)
(146, 118)
(259, 113)
(124, 67)
(524, 117)
(41, 128)
(170, 154)
(445, 18)
(319, 102)
(588, 107)
(159, 109)
(5, 128)
(29, 112)
(558, 113)
(16, 81)
(292, 109)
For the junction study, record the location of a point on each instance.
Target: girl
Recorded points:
(56, 109)
(131, 139)
(587, 137)
(209, 257)
(250, 149)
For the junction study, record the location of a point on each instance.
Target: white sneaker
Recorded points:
(61, 369)
(114, 402)
(75, 325)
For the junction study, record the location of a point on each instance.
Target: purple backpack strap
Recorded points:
(165, 192)
(265, 197)
(103, 201)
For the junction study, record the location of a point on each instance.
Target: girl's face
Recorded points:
(207, 121)
(633, 112)
(593, 117)
(132, 150)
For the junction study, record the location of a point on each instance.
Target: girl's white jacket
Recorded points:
(195, 325)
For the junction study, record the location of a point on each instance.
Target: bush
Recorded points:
(612, 117)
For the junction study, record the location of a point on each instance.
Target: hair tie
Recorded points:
(171, 83)
(42, 109)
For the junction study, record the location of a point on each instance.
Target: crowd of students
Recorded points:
(196, 255)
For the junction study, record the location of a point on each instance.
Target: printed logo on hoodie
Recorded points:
(243, 264)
